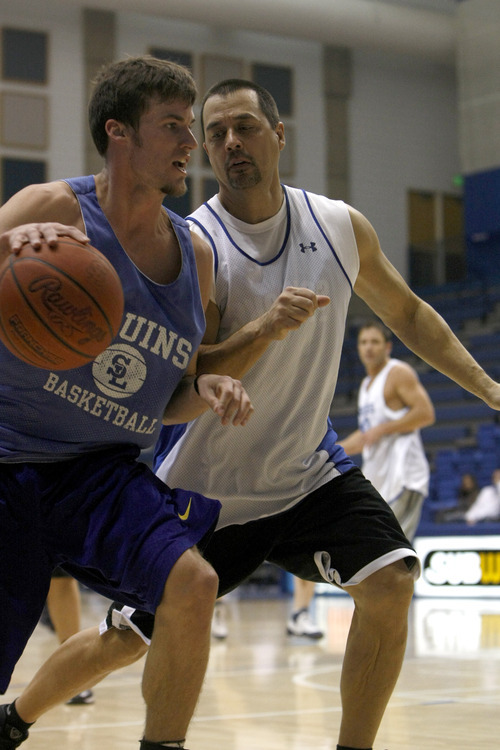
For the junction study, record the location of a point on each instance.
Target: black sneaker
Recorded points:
(10, 736)
(85, 698)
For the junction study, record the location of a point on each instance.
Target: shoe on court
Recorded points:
(85, 698)
(300, 623)
(219, 625)
(10, 736)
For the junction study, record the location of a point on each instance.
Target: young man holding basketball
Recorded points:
(72, 492)
(290, 494)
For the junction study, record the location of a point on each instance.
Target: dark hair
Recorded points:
(267, 104)
(123, 91)
(375, 323)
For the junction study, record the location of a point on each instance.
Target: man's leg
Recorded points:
(374, 652)
(172, 678)
(79, 663)
(408, 509)
(64, 605)
(301, 622)
(303, 593)
(64, 610)
(178, 655)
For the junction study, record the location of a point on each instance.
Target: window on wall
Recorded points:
(278, 81)
(24, 108)
(176, 56)
(24, 120)
(217, 68)
(24, 56)
(17, 173)
(436, 238)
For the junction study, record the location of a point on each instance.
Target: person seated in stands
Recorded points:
(486, 507)
(467, 494)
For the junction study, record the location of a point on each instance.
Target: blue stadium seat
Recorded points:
(444, 433)
(463, 411)
(344, 423)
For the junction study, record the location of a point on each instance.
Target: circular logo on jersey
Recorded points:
(119, 371)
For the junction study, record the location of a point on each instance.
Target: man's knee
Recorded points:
(192, 583)
(123, 647)
(388, 590)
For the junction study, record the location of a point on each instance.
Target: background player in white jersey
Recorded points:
(280, 255)
(393, 406)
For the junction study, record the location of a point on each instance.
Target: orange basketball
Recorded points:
(59, 307)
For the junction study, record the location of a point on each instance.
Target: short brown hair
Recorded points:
(376, 323)
(124, 89)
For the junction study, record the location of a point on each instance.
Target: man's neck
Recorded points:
(252, 206)
(372, 372)
(126, 209)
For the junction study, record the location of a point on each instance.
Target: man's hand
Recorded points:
(373, 435)
(36, 233)
(226, 397)
(287, 313)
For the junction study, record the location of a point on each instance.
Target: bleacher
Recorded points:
(466, 435)
(480, 459)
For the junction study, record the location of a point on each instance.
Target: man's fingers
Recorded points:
(305, 300)
(37, 233)
(238, 409)
(233, 404)
(244, 409)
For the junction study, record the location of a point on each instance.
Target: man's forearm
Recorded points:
(237, 354)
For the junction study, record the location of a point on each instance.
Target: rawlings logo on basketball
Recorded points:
(61, 306)
(71, 320)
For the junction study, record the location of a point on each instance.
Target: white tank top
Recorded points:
(287, 449)
(396, 462)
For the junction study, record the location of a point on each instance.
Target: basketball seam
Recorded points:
(53, 333)
(73, 281)
(22, 353)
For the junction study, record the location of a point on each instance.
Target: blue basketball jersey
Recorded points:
(120, 397)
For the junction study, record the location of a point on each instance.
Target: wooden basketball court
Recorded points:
(267, 691)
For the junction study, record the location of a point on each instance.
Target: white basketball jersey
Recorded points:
(396, 462)
(287, 449)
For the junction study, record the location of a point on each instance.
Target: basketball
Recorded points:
(59, 307)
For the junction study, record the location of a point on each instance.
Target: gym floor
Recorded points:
(265, 690)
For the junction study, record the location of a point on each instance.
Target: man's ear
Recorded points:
(280, 132)
(115, 129)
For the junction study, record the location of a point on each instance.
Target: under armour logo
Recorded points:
(311, 246)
